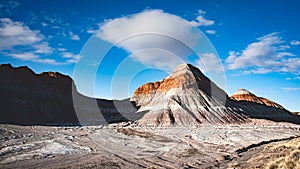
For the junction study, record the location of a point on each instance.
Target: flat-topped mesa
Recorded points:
(245, 95)
(185, 97)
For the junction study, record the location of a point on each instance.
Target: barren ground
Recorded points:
(129, 146)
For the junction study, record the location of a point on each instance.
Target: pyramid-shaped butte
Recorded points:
(185, 97)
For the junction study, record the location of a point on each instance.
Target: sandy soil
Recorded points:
(128, 146)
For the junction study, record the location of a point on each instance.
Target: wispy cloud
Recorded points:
(44, 24)
(202, 21)
(91, 31)
(291, 89)
(17, 34)
(71, 57)
(284, 47)
(43, 48)
(74, 36)
(34, 57)
(20, 42)
(212, 32)
(295, 42)
(27, 56)
(61, 49)
(293, 78)
(264, 56)
(201, 12)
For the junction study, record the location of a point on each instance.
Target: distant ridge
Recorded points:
(46, 99)
(245, 95)
(261, 108)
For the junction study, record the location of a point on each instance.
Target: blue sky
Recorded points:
(256, 42)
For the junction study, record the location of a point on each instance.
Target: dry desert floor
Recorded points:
(260, 145)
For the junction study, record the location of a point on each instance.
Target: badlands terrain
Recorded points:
(116, 146)
(182, 121)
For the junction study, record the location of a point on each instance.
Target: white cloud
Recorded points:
(209, 62)
(288, 78)
(27, 56)
(255, 53)
(20, 42)
(201, 12)
(201, 21)
(16, 34)
(290, 89)
(154, 31)
(56, 27)
(61, 49)
(284, 47)
(74, 36)
(295, 42)
(293, 78)
(34, 57)
(44, 24)
(283, 54)
(91, 31)
(43, 48)
(264, 56)
(232, 56)
(71, 57)
(212, 32)
(257, 71)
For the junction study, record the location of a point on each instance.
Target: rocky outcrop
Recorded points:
(261, 108)
(47, 99)
(244, 95)
(186, 97)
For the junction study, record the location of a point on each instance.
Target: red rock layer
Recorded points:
(186, 97)
(244, 95)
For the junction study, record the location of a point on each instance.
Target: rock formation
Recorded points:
(244, 95)
(185, 97)
(261, 108)
(46, 99)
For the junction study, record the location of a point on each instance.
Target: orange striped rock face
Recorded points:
(183, 98)
(147, 88)
(164, 85)
(244, 95)
(187, 97)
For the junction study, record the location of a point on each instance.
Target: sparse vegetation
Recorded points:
(288, 157)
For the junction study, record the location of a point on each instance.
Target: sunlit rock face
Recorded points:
(186, 97)
(244, 95)
(261, 108)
